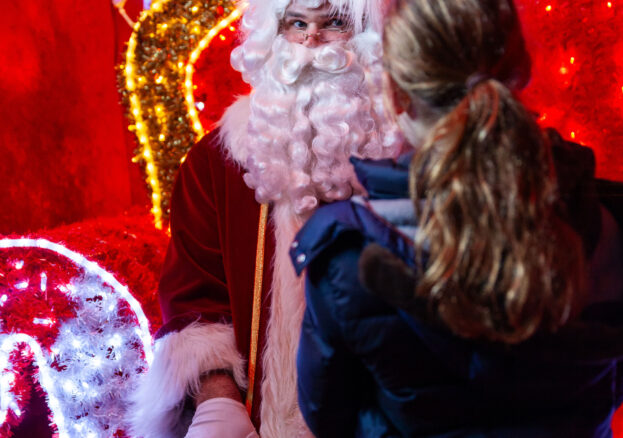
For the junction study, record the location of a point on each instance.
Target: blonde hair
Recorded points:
(502, 264)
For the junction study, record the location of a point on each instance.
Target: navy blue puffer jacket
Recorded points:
(367, 369)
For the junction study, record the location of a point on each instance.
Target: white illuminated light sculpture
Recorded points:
(93, 362)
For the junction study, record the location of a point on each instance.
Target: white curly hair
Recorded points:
(311, 109)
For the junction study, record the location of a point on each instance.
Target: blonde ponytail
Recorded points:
(501, 264)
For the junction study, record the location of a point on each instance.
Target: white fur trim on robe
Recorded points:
(179, 361)
(233, 129)
(280, 413)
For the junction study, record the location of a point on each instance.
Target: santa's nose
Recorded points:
(312, 36)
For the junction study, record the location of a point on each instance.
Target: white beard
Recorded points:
(279, 412)
(311, 110)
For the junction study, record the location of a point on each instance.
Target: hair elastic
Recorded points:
(475, 79)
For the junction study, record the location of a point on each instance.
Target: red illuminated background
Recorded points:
(65, 152)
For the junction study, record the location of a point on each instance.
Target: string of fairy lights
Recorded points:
(190, 68)
(156, 84)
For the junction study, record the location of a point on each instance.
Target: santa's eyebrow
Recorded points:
(292, 14)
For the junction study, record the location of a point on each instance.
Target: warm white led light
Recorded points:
(21, 285)
(44, 282)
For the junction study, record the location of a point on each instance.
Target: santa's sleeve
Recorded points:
(197, 335)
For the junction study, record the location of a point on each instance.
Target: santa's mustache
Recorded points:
(292, 61)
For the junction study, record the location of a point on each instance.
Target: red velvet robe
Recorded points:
(209, 269)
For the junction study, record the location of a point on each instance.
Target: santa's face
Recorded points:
(314, 26)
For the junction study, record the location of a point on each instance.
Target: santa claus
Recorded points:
(230, 299)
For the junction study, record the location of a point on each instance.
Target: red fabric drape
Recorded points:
(64, 153)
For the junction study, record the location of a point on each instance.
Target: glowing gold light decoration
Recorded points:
(157, 87)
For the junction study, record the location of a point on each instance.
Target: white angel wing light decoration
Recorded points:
(88, 362)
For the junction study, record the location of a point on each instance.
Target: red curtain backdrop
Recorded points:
(64, 152)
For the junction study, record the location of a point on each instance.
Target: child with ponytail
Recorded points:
(490, 301)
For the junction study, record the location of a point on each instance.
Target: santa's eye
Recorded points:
(298, 25)
(336, 23)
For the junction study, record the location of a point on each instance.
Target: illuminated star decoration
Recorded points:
(87, 335)
(156, 83)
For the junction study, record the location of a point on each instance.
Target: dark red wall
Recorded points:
(64, 152)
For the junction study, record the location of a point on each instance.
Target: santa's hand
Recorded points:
(221, 418)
